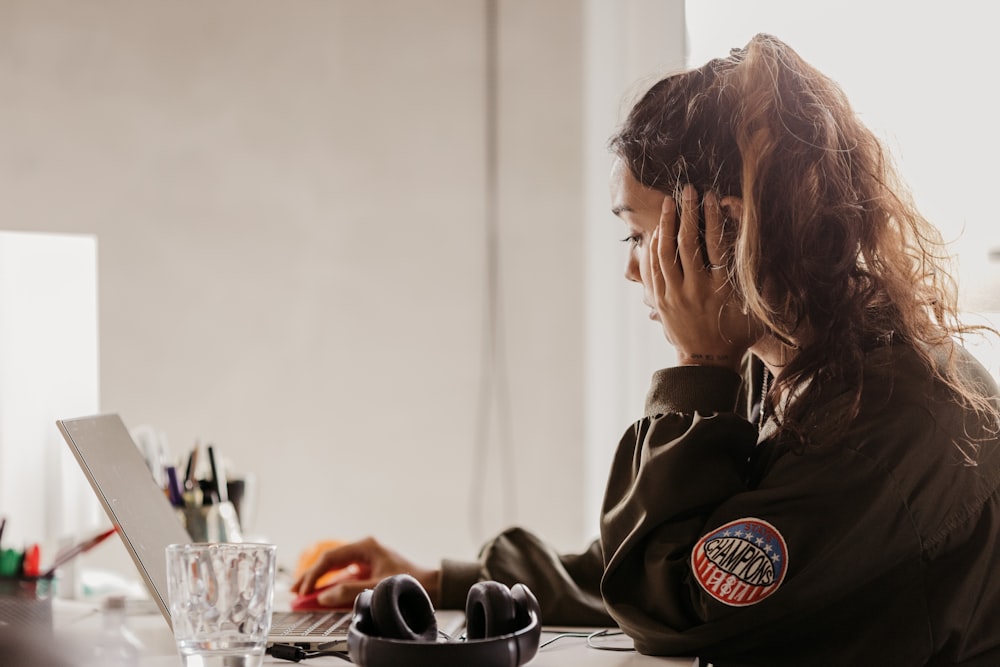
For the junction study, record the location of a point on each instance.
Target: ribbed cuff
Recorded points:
(688, 389)
(457, 577)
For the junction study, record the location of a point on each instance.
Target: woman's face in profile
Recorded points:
(639, 208)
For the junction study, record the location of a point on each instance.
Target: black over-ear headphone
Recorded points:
(394, 625)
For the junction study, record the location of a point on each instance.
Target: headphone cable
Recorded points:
(294, 653)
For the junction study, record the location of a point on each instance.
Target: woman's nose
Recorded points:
(632, 269)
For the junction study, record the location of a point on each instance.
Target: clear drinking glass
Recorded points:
(220, 602)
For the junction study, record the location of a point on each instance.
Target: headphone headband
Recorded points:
(503, 651)
(368, 649)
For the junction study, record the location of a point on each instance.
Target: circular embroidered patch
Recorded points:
(741, 563)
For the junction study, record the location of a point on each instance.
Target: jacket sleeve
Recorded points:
(567, 586)
(697, 562)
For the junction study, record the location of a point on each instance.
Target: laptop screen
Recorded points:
(140, 511)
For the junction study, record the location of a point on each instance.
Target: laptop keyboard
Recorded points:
(317, 624)
(322, 624)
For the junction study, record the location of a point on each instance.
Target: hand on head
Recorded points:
(689, 284)
(372, 562)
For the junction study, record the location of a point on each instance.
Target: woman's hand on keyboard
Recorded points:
(367, 562)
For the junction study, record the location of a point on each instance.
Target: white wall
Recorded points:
(289, 201)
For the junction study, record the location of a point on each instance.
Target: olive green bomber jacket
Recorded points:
(874, 548)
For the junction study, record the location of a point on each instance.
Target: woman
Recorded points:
(817, 481)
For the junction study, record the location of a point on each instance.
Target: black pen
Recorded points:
(218, 476)
(189, 472)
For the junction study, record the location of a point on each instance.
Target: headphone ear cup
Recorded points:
(362, 615)
(525, 603)
(401, 609)
(489, 611)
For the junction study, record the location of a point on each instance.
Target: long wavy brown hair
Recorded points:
(829, 240)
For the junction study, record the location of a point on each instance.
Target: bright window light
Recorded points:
(920, 75)
(49, 362)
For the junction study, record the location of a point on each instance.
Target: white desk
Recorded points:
(74, 620)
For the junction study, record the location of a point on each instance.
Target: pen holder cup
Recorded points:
(211, 523)
(26, 604)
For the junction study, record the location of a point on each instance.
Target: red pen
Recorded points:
(31, 566)
(64, 557)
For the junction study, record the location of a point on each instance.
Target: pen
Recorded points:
(31, 564)
(189, 473)
(64, 557)
(174, 488)
(3, 524)
(10, 563)
(218, 476)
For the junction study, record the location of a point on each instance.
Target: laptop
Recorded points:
(147, 523)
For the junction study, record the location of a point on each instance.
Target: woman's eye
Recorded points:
(632, 239)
